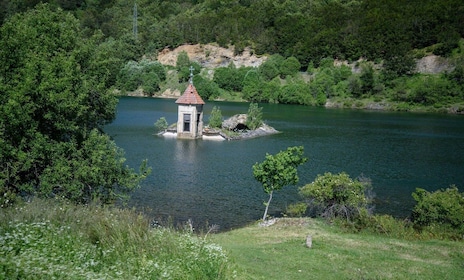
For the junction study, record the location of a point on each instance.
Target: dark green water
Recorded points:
(212, 181)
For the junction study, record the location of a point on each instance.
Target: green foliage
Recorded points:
(439, 208)
(279, 170)
(289, 67)
(254, 116)
(252, 86)
(51, 239)
(309, 31)
(94, 171)
(337, 195)
(230, 78)
(206, 88)
(161, 124)
(215, 119)
(53, 104)
(183, 60)
(145, 74)
(184, 71)
(183, 65)
(270, 68)
(296, 209)
(130, 76)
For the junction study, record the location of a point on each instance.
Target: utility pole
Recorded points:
(134, 23)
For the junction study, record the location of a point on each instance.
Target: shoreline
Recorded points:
(352, 104)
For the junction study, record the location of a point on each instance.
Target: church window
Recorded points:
(186, 122)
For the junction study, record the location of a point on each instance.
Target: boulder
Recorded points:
(236, 123)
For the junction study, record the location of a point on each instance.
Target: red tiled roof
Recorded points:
(190, 96)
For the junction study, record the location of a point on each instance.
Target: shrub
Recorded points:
(129, 76)
(206, 88)
(337, 195)
(161, 124)
(215, 119)
(254, 116)
(146, 74)
(439, 208)
(296, 209)
(289, 66)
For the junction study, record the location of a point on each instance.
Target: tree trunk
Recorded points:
(267, 206)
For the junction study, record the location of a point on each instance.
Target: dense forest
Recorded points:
(382, 38)
(308, 30)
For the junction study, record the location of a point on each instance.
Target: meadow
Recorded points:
(52, 239)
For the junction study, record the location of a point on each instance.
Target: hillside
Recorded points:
(211, 56)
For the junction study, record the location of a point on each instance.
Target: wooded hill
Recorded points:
(387, 36)
(308, 30)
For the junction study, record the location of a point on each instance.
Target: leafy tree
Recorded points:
(367, 79)
(52, 105)
(442, 207)
(296, 93)
(252, 86)
(229, 78)
(270, 68)
(130, 76)
(206, 88)
(289, 67)
(146, 74)
(215, 119)
(254, 116)
(337, 195)
(279, 170)
(183, 60)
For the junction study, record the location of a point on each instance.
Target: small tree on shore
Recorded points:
(279, 170)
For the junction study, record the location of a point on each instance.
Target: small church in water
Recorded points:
(190, 112)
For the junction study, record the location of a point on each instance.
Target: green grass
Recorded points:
(279, 252)
(49, 239)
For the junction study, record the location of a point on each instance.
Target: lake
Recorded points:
(211, 182)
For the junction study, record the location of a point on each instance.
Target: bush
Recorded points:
(254, 116)
(215, 119)
(289, 67)
(206, 88)
(439, 208)
(296, 209)
(338, 196)
(161, 124)
(129, 76)
(146, 74)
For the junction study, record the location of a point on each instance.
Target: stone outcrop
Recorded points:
(211, 56)
(237, 124)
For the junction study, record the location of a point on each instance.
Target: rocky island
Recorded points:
(233, 128)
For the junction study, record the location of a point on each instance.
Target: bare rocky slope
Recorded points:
(210, 56)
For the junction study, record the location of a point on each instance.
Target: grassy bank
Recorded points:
(55, 240)
(279, 252)
(49, 239)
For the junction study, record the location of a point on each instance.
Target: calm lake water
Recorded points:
(211, 182)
